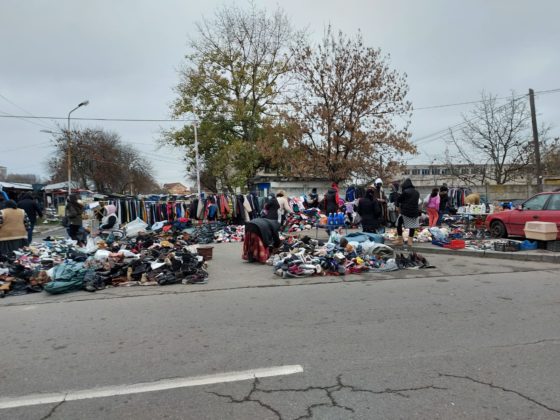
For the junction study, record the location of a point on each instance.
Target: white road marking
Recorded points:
(109, 391)
(28, 308)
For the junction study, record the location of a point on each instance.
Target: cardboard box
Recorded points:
(542, 231)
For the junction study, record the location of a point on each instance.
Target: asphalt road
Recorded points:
(471, 339)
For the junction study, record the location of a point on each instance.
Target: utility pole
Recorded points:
(536, 145)
(197, 158)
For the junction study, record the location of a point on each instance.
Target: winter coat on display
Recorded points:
(30, 207)
(408, 201)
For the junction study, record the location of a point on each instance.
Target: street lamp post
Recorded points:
(197, 158)
(84, 103)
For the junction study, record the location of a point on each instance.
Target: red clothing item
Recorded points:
(254, 249)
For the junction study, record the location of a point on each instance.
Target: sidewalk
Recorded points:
(538, 255)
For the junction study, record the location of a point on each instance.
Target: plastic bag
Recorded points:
(135, 227)
(90, 247)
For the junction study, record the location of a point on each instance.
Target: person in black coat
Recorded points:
(408, 204)
(32, 209)
(443, 203)
(330, 204)
(370, 211)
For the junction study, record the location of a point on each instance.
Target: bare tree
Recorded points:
(22, 178)
(101, 161)
(550, 153)
(343, 120)
(495, 140)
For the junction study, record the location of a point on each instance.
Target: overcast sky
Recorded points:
(123, 56)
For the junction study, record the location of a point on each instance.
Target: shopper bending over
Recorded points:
(409, 212)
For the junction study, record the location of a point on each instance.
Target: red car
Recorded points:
(543, 207)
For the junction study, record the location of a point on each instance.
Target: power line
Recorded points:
(441, 133)
(193, 120)
(24, 110)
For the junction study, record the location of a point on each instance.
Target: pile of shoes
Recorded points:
(205, 234)
(298, 222)
(308, 257)
(232, 233)
(412, 261)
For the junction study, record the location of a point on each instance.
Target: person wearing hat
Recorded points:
(284, 206)
(381, 198)
(13, 228)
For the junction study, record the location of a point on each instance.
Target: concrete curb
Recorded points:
(539, 255)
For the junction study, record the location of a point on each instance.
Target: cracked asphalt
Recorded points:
(471, 339)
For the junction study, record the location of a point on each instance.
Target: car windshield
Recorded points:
(536, 203)
(554, 203)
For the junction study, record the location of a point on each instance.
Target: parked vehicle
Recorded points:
(542, 207)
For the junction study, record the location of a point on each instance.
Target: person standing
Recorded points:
(74, 210)
(313, 199)
(32, 209)
(381, 197)
(392, 213)
(284, 206)
(443, 202)
(370, 212)
(432, 207)
(409, 212)
(13, 228)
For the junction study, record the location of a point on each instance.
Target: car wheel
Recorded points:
(498, 229)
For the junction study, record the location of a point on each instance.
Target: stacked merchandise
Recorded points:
(230, 233)
(57, 266)
(308, 257)
(300, 221)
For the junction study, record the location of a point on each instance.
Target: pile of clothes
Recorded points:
(58, 266)
(232, 233)
(307, 257)
(300, 221)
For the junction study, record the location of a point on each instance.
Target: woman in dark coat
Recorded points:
(74, 210)
(261, 237)
(408, 204)
(370, 211)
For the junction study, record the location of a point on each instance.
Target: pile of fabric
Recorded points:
(58, 266)
(340, 256)
(300, 221)
(232, 233)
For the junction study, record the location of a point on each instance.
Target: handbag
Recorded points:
(64, 221)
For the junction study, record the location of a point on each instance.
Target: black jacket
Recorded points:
(329, 202)
(271, 209)
(408, 200)
(267, 230)
(370, 211)
(31, 208)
